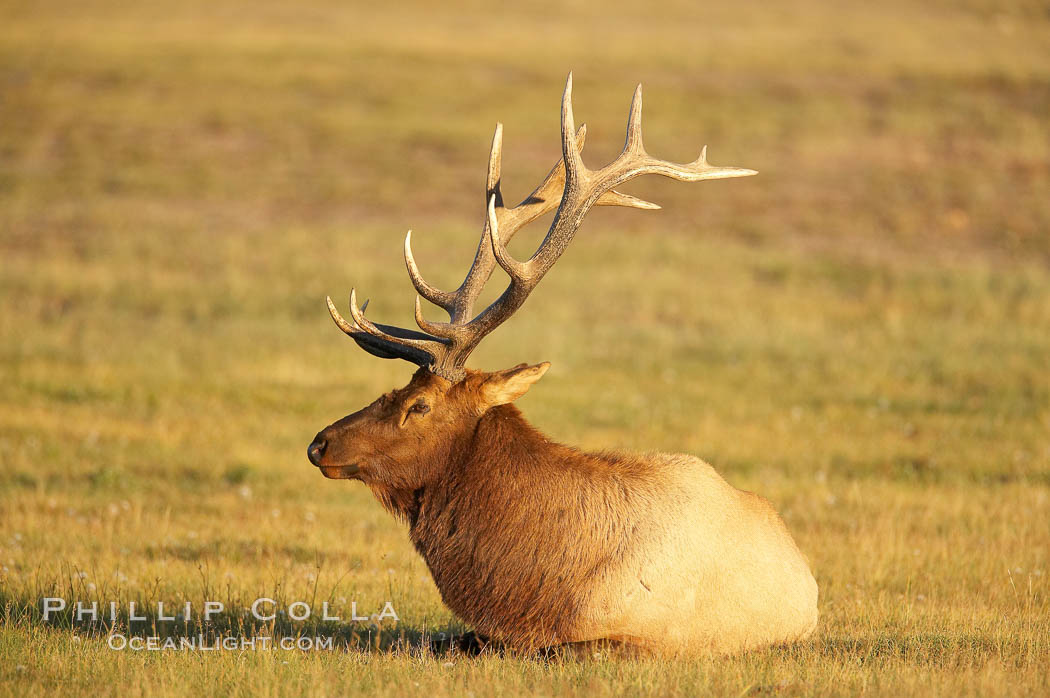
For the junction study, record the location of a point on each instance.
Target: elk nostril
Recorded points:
(316, 450)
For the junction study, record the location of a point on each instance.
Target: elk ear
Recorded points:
(507, 386)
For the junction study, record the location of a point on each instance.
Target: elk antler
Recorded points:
(443, 347)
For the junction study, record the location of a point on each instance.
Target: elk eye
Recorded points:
(420, 408)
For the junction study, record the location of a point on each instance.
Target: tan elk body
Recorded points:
(538, 544)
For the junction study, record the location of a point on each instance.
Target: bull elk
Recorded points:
(533, 543)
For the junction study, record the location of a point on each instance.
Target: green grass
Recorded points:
(860, 333)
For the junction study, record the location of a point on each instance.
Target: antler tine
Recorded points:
(395, 335)
(442, 330)
(634, 125)
(492, 182)
(515, 269)
(359, 317)
(442, 299)
(339, 320)
(570, 152)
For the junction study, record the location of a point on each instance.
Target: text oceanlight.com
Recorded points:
(200, 643)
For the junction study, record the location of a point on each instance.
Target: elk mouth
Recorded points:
(339, 472)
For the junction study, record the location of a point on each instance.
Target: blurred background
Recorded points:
(860, 332)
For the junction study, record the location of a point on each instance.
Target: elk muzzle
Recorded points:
(315, 452)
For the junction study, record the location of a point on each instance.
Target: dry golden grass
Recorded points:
(860, 333)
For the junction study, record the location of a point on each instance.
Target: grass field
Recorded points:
(860, 333)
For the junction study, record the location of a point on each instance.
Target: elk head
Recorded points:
(402, 439)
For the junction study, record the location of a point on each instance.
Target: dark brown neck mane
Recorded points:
(502, 440)
(484, 527)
